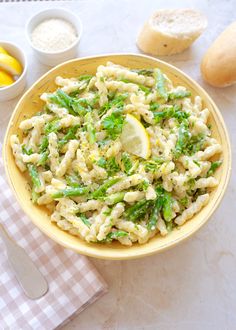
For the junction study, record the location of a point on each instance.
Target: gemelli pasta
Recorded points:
(120, 155)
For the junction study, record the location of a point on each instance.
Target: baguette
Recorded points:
(171, 31)
(218, 65)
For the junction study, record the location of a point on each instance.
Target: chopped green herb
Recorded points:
(52, 126)
(70, 135)
(197, 163)
(191, 183)
(102, 143)
(26, 151)
(113, 124)
(154, 106)
(72, 181)
(194, 144)
(143, 185)
(170, 226)
(108, 212)
(184, 201)
(214, 166)
(116, 102)
(126, 162)
(153, 164)
(115, 234)
(170, 112)
(112, 167)
(102, 162)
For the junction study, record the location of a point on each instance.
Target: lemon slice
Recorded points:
(10, 64)
(5, 79)
(134, 138)
(3, 51)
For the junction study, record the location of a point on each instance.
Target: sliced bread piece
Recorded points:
(170, 31)
(218, 65)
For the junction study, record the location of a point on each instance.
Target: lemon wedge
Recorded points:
(134, 138)
(10, 64)
(5, 79)
(3, 51)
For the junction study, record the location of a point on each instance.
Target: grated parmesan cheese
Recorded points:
(53, 35)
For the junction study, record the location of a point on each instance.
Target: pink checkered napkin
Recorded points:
(73, 281)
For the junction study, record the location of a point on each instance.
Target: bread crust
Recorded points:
(218, 66)
(153, 41)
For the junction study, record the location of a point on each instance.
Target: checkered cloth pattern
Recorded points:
(73, 281)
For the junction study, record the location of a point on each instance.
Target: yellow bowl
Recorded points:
(30, 103)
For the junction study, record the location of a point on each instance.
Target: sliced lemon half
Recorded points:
(10, 64)
(134, 138)
(5, 79)
(3, 51)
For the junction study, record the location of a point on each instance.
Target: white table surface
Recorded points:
(192, 286)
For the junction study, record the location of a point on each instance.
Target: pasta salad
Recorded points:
(120, 155)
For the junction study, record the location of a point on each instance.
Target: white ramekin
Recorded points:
(54, 58)
(11, 91)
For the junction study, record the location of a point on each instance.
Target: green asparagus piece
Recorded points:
(70, 135)
(160, 84)
(52, 126)
(84, 219)
(154, 214)
(114, 198)
(34, 195)
(101, 191)
(167, 206)
(143, 88)
(44, 144)
(178, 95)
(71, 192)
(90, 127)
(34, 175)
(183, 138)
(114, 235)
(138, 210)
(72, 181)
(43, 158)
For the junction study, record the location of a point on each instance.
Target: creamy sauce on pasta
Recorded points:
(78, 168)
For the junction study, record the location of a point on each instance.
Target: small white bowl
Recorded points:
(9, 92)
(54, 58)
